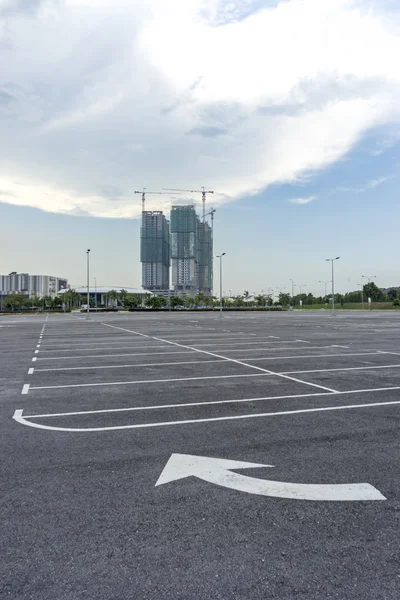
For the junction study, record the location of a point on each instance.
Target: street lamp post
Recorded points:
(220, 281)
(95, 291)
(292, 292)
(325, 283)
(369, 278)
(301, 292)
(88, 282)
(362, 294)
(369, 281)
(332, 260)
(301, 287)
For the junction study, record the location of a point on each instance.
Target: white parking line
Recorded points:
(124, 347)
(343, 369)
(76, 357)
(132, 365)
(209, 402)
(238, 362)
(18, 416)
(104, 383)
(245, 343)
(25, 388)
(198, 362)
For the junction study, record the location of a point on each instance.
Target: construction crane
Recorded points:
(144, 192)
(203, 193)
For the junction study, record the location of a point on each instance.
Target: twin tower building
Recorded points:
(185, 243)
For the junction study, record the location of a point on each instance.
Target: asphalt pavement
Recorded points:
(190, 456)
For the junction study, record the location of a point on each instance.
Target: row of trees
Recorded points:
(72, 299)
(370, 290)
(23, 302)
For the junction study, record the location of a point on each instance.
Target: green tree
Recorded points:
(246, 296)
(372, 291)
(238, 301)
(392, 294)
(132, 300)
(113, 295)
(260, 300)
(156, 302)
(13, 301)
(200, 299)
(284, 299)
(122, 296)
(178, 301)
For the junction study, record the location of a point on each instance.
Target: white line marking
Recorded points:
(115, 355)
(101, 349)
(134, 365)
(316, 356)
(181, 405)
(38, 346)
(25, 388)
(196, 362)
(337, 346)
(103, 383)
(344, 369)
(194, 343)
(30, 371)
(244, 364)
(36, 351)
(34, 359)
(23, 420)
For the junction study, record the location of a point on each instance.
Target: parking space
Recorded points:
(125, 370)
(110, 420)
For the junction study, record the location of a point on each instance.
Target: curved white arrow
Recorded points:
(218, 471)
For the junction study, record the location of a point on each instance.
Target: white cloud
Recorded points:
(302, 200)
(180, 93)
(373, 183)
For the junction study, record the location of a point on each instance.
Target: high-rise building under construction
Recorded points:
(155, 251)
(191, 252)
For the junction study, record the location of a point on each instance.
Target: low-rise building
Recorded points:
(31, 285)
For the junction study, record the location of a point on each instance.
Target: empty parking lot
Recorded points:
(196, 456)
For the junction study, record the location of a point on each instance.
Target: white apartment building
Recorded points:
(39, 285)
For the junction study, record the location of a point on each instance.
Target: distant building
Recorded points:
(191, 252)
(205, 259)
(101, 294)
(185, 249)
(39, 285)
(155, 251)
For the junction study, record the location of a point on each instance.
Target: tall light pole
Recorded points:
(369, 278)
(326, 283)
(301, 287)
(220, 281)
(332, 260)
(362, 294)
(292, 292)
(88, 282)
(95, 291)
(273, 293)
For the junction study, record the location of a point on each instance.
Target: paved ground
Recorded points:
(100, 407)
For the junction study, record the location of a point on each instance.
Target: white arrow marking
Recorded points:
(218, 471)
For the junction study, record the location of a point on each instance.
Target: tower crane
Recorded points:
(144, 192)
(203, 193)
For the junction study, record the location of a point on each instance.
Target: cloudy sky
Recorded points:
(289, 110)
